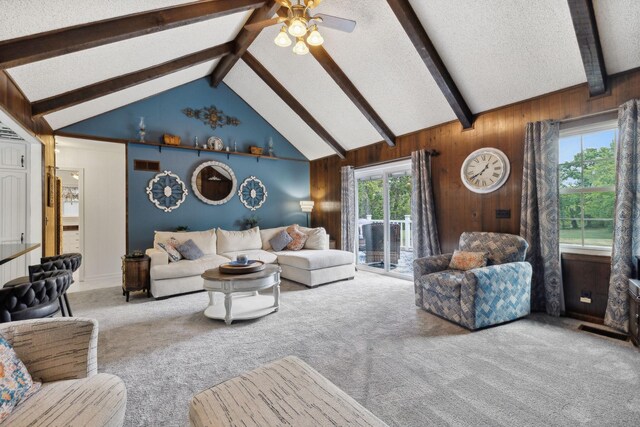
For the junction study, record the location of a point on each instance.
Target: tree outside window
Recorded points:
(587, 172)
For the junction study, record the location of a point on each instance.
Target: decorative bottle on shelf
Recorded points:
(196, 143)
(270, 145)
(141, 129)
(235, 146)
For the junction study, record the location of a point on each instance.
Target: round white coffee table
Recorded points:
(251, 305)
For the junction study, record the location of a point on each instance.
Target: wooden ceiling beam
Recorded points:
(54, 43)
(292, 102)
(584, 24)
(418, 36)
(243, 41)
(97, 90)
(341, 79)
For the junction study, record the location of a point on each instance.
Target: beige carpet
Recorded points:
(406, 366)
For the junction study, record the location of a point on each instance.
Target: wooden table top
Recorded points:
(215, 274)
(11, 251)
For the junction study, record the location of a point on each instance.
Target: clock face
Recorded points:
(485, 170)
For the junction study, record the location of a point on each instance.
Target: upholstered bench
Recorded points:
(287, 392)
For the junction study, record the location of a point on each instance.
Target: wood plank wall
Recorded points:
(14, 103)
(457, 209)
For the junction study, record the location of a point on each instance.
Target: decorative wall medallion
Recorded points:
(214, 183)
(167, 191)
(211, 116)
(252, 193)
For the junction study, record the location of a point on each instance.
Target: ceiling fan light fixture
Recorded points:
(301, 47)
(282, 39)
(315, 38)
(297, 27)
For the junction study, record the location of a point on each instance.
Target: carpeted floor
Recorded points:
(366, 335)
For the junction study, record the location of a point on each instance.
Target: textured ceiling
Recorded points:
(114, 100)
(252, 89)
(37, 16)
(383, 64)
(316, 91)
(498, 54)
(619, 28)
(57, 75)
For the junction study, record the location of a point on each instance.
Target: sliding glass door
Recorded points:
(384, 219)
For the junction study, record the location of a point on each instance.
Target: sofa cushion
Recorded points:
(297, 236)
(170, 247)
(189, 250)
(463, 260)
(280, 240)
(206, 240)
(16, 385)
(308, 259)
(99, 400)
(187, 268)
(316, 238)
(267, 234)
(230, 241)
(258, 254)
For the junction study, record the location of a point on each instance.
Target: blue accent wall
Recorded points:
(287, 181)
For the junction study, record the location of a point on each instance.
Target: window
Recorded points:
(587, 169)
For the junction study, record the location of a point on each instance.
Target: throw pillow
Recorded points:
(190, 250)
(16, 385)
(170, 248)
(297, 236)
(280, 241)
(316, 238)
(462, 260)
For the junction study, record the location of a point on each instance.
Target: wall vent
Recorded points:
(146, 165)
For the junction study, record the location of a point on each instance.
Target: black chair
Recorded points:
(374, 243)
(36, 299)
(66, 262)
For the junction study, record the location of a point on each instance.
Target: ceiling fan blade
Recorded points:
(257, 26)
(336, 23)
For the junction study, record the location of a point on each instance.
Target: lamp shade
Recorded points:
(282, 39)
(306, 205)
(315, 38)
(300, 47)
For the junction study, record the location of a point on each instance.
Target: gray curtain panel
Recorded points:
(423, 213)
(539, 217)
(348, 209)
(626, 222)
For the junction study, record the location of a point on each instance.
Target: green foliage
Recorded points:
(370, 198)
(593, 167)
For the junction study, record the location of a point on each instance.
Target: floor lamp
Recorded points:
(307, 207)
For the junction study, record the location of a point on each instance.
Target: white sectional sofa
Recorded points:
(314, 265)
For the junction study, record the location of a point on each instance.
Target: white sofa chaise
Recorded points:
(314, 265)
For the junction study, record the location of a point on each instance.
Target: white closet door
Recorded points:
(13, 190)
(13, 155)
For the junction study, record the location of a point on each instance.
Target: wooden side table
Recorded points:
(135, 275)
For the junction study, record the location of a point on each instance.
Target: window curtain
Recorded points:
(539, 217)
(348, 209)
(626, 217)
(423, 214)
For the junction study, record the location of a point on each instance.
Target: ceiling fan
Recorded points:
(299, 23)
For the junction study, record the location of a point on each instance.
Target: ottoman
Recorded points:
(287, 392)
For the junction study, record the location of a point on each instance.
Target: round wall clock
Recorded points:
(252, 193)
(485, 170)
(167, 191)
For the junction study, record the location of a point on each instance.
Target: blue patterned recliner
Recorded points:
(483, 296)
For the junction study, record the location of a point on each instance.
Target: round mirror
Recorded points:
(214, 183)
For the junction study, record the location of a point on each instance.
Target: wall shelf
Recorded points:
(180, 147)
